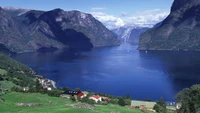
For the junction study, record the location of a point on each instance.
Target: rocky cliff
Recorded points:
(179, 31)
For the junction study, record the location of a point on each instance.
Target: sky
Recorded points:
(112, 13)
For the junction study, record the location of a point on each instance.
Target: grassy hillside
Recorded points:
(9, 64)
(19, 74)
(52, 105)
(2, 71)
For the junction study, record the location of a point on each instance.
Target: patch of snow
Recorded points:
(127, 34)
(22, 13)
(14, 8)
(22, 10)
(83, 15)
(59, 19)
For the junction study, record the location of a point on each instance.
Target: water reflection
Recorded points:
(182, 68)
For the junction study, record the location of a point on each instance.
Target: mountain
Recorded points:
(25, 30)
(123, 33)
(129, 33)
(135, 34)
(179, 31)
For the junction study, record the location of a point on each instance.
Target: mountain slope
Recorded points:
(123, 32)
(135, 34)
(31, 30)
(129, 33)
(179, 31)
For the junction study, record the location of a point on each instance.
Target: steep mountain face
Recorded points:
(129, 33)
(10, 35)
(31, 30)
(179, 31)
(123, 33)
(135, 34)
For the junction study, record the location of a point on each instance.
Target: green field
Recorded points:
(2, 71)
(52, 105)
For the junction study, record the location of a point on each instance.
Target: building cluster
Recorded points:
(46, 83)
(84, 94)
(148, 105)
(135, 104)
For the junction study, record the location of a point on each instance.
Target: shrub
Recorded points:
(121, 102)
(72, 98)
(160, 106)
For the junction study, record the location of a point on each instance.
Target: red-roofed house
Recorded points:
(81, 95)
(96, 98)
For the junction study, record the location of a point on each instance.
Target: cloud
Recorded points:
(109, 21)
(147, 18)
(98, 8)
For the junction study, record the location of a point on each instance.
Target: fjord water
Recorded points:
(119, 70)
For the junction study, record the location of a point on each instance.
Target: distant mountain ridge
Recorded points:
(129, 33)
(25, 30)
(179, 31)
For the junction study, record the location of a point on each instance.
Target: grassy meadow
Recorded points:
(52, 105)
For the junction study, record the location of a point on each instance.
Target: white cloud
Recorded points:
(146, 18)
(98, 8)
(109, 21)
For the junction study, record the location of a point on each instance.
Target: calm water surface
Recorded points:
(119, 70)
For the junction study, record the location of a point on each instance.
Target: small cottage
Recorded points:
(85, 93)
(96, 98)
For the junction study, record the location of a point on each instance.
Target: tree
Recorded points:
(128, 96)
(91, 101)
(88, 91)
(127, 101)
(54, 93)
(77, 89)
(113, 101)
(38, 86)
(160, 106)
(72, 98)
(78, 98)
(121, 102)
(189, 98)
(1, 78)
(66, 89)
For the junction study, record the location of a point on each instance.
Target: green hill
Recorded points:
(19, 74)
(53, 105)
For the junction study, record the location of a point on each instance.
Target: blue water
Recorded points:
(119, 70)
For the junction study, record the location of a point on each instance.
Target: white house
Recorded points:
(49, 88)
(85, 93)
(178, 106)
(96, 98)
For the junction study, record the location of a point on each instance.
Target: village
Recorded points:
(78, 95)
(46, 83)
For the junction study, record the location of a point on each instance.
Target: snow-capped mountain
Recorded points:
(16, 11)
(123, 32)
(130, 33)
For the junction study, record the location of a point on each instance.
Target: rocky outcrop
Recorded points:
(28, 104)
(81, 105)
(31, 30)
(2, 100)
(179, 31)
